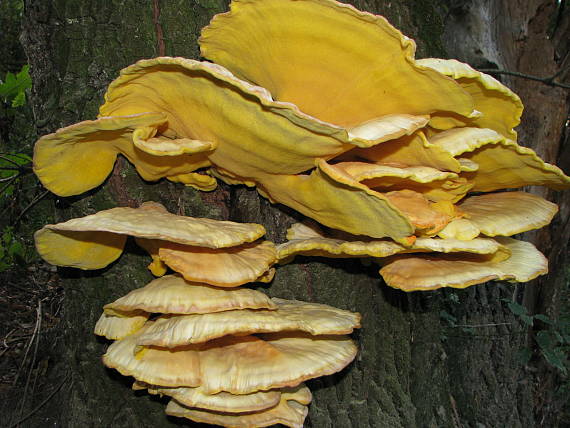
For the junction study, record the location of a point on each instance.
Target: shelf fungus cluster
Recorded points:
(225, 354)
(325, 109)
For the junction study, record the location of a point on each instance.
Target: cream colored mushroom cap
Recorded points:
(291, 411)
(171, 294)
(291, 315)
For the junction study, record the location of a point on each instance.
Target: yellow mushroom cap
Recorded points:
(434, 184)
(508, 213)
(239, 365)
(323, 55)
(290, 315)
(117, 325)
(220, 402)
(500, 108)
(290, 411)
(429, 272)
(310, 241)
(227, 267)
(205, 102)
(171, 294)
(502, 163)
(94, 241)
(154, 366)
(69, 152)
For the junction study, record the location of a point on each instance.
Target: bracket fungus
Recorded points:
(389, 158)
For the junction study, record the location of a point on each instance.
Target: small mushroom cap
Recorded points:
(420, 212)
(69, 152)
(228, 267)
(413, 150)
(171, 294)
(386, 128)
(323, 55)
(78, 249)
(460, 228)
(501, 108)
(335, 199)
(313, 318)
(94, 241)
(118, 325)
(502, 163)
(434, 184)
(239, 365)
(429, 272)
(220, 402)
(291, 411)
(508, 213)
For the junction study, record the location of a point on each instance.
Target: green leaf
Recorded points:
(544, 319)
(517, 309)
(14, 86)
(527, 319)
(19, 100)
(556, 358)
(545, 340)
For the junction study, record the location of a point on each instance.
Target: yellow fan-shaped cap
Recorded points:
(203, 101)
(500, 107)
(335, 199)
(508, 213)
(429, 272)
(336, 63)
(227, 267)
(502, 162)
(64, 160)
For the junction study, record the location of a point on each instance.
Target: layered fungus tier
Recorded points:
(413, 163)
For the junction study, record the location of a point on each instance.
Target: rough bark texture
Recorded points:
(413, 368)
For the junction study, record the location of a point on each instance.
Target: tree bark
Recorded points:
(414, 368)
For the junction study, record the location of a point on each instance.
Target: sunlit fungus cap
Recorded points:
(94, 241)
(116, 325)
(291, 411)
(69, 152)
(310, 241)
(239, 365)
(502, 163)
(171, 294)
(428, 272)
(226, 267)
(500, 108)
(290, 315)
(203, 101)
(323, 55)
(337, 200)
(508, 213)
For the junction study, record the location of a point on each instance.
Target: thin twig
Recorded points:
(39, 406)
(546, 80)
(482, 325)
(30, 205)
(36, 336)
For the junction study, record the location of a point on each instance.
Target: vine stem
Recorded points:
(546, 80)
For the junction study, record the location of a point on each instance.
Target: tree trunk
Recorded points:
(415, 368)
